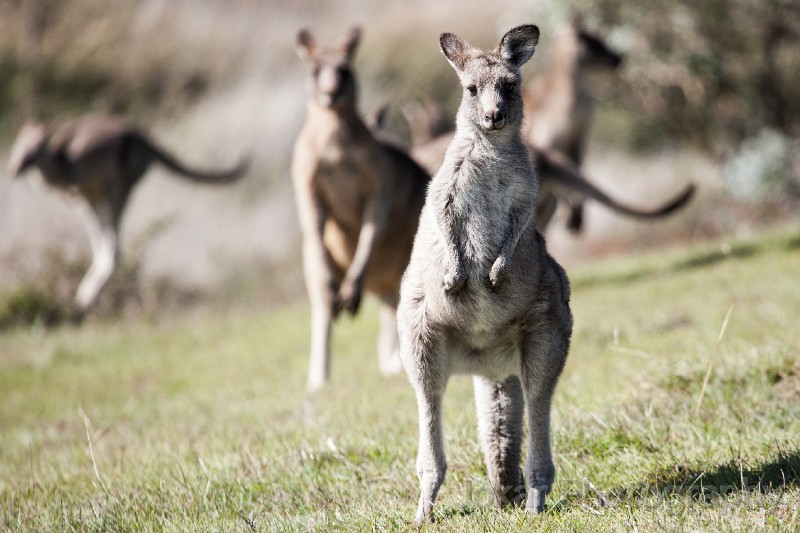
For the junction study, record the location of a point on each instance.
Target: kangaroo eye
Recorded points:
(472, 90)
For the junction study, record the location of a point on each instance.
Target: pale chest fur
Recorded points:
(477, 196)
(471, 202)
(328, 159)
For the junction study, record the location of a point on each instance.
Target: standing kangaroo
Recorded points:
(99, 159)
(358, 199)
(481, 295)
(559, 105)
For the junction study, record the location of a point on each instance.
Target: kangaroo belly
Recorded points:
(478, 311)
(387, 261)
(496, 361)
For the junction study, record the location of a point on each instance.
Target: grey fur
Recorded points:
(481, 295)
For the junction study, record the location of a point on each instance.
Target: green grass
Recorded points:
(201, 422)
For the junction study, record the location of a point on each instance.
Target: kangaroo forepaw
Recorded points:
(348, 298)
(454, 279)
(497, 275)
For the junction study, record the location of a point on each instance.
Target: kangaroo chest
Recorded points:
(480, 202)
(338, 177)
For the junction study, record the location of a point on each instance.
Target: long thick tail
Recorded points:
(556, 166)
(201, 176)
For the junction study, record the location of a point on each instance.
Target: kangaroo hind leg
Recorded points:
(321, 283)
(543, 359)
(500, 407)
(422, 357)
(388, 350)
(103, 237)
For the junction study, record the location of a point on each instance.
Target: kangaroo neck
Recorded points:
(334, 126)
(471, 140)
(344, 113)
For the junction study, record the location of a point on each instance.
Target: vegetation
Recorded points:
(712, 73)
(677, 410)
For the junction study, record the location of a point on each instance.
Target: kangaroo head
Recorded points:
(332, 82)
(491, 80)
(591, 50)
(29, 146)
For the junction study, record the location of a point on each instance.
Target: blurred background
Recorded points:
(709, 92)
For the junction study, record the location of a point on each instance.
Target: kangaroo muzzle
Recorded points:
(494, 116)
(494, 119)
(329, 85)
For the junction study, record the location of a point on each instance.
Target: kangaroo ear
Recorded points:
(517, 46)
(305, 44)
(455, 49)
(349, 42)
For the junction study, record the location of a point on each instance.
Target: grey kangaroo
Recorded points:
(481, 295)
(358, 199)
(559, 105)
(100, 159)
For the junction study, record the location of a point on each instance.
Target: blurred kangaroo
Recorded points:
(481, 295)
(99, 159)
(558, 176)
(358, 199)
(559, 105)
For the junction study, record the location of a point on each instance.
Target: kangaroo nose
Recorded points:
(494, 120)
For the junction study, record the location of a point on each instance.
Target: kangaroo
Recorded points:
(558, 176)
(559, 105)
(358, 200)
(99, 160)
(481, 295)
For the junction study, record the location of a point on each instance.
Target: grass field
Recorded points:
(668, 416)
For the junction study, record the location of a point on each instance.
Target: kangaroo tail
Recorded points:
(556, 166)
(228, 175)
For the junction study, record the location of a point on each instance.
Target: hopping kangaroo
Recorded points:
(481, 295)
(559, 105)
(358, 200)
(99, 159)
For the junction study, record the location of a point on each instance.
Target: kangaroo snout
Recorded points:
(330, 85)
(494, 120)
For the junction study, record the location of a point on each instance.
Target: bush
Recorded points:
(712, 73)
(28, 305)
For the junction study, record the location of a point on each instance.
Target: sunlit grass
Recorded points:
(201, 422)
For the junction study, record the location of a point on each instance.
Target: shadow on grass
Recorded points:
(707, 485)
(775, 475)
(697, 260)
(445, 513)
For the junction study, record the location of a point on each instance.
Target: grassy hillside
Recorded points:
(192, 423)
